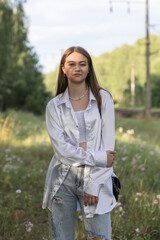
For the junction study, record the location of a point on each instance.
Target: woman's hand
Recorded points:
(83, 145)
(90, 199)
(110, 158)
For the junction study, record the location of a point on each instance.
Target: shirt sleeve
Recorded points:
(99, 176)
(66, 152)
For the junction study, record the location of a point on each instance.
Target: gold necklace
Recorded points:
(79, 98)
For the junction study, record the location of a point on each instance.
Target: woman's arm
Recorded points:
(99, 176)
(66, 152)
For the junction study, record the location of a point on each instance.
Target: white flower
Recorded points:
(141, 167)
(28, 229)
(136, 199)
(130, 131)
(9, 167)
(120, 130)
(124, 158)
(28, 226)
(139, 194)
(151, 153)
(120, 209)
(134, 161)
(80, 218)
(158, 196)
(118, 204)
(137, 230)
(7, 150)
(18, 191)
(155, 202)
(125, 135)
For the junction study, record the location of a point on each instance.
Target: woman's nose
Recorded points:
(77, 67)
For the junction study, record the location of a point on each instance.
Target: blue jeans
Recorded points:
(64, 206)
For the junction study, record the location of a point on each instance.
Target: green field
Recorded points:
(25, 153)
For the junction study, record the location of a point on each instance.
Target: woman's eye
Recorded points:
(71, 64)
(83, 65)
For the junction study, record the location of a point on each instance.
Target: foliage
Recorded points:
(155, 86)
(139, 93)
(21, 81)
(24, 159)
(50, 80)
(113, 71)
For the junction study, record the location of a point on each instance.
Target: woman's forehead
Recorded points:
(76, 57)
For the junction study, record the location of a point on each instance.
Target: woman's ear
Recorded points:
(63, 69)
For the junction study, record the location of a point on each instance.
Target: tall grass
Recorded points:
(25, 153)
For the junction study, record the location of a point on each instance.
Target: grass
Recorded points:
(25, 153)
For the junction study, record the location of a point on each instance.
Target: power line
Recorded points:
(128, 2)
(148, 87)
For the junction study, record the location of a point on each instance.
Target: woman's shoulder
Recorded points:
(105, 95)
(54, 100)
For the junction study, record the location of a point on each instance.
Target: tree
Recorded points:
(20, 75)
(155, 90)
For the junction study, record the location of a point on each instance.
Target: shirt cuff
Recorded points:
(92, 188)
(101, 159)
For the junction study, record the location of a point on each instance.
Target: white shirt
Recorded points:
(63, 130)
(81, 126)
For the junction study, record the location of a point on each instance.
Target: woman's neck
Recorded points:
(76, 90)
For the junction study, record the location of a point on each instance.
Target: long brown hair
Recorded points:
(91, 79)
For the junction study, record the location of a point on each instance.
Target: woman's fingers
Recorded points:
(110, 157)
(112, 152)
(90, 199)
(96, 200)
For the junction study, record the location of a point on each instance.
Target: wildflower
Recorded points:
(134, 161)
(125, 135)
(28, 174)
(130, 131)
(120, 130)
(153, 218)
(137, 230)
(19, 160)
(124, 158)
(28, 226)
(7, 150)
(80, 218)
(118, 204)
(155, 202)
(141, 167)
(9, 167)
(18, 191)
(136, 199)
(151, 153)
(120, 209)
(139, 194)
(158, 196)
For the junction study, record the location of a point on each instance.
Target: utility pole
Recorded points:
(148, 81)
(132, 85)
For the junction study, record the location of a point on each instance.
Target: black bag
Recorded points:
(116, 187)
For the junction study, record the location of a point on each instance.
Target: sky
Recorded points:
(55, 25)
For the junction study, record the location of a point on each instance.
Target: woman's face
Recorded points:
(76, 68)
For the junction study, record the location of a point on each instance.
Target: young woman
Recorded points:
(80, 123)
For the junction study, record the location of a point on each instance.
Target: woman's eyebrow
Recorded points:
(74, 61)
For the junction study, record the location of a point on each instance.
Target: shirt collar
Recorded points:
(64, 97)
